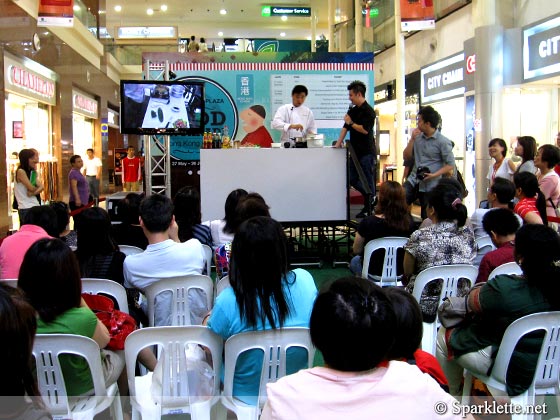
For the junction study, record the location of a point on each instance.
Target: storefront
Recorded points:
(85, 114)
(30, 95)
(386, 108)
(532, 109)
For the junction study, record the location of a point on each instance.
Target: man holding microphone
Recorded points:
(359, 121)
(295, 120)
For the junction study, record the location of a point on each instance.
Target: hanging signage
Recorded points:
(147, 32)
(56, 13)
(268, 11)
(417, 15)
(84, 104)
(541, 50)
(443, 79)
(28, 78)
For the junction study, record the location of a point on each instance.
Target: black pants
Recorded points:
(412, 194)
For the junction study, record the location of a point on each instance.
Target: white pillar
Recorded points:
(313, 30)
(400, 93)
(358, 26)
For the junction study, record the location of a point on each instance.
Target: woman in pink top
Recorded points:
(354, 326)
(548, 156)
(532, 205)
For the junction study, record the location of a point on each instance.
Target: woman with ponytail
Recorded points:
(446, 241)
(532, 203)
(498, 303)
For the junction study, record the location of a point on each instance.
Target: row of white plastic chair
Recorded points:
(174, 397)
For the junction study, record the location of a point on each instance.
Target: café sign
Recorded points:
(541, 50)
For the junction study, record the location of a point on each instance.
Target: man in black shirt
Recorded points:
(359, 121)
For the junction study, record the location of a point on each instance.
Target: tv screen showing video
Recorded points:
(162, 107)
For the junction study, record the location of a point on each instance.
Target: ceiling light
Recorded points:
(223, 12)
(282, 34)
(284, 18)
(163, 8)
(118, 8)
(150, 12)
(76, 8)
(220, 33)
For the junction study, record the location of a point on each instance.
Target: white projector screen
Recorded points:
(299, 185)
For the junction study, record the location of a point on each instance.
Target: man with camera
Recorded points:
(432, 154)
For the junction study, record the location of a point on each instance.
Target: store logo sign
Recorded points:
(471, 64)
(443, 79)
(85, 105)
(541, 50)
(31, 82)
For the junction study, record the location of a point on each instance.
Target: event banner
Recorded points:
(239, 84)
(417, 15)
(56, 13)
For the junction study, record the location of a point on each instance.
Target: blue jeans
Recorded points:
(367, 163)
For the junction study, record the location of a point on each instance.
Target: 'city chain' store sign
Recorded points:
(541, 50)
(443, 79)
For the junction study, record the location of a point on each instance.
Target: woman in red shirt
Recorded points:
(532, 205)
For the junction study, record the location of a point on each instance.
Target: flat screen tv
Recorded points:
(162, 107)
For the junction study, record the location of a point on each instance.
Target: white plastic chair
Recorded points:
(130, 250)
(389, 276)
(9, 282)
(208, 255)
(46, 350)
(546, 377)
(484, 245)
(507, 268)
(175, 397)
(274, 344)
(179, 287)
(107, 287)
(450, 274)
(221, 285)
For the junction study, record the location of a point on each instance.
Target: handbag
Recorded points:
(120, 324)
(455, 311)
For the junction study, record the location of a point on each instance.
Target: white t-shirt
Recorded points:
(287, 115)
(219, 237)
(91, 166)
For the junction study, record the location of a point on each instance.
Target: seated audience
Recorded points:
(447, 241)
(501, 225)
(526, 149)
(500, 196)
(129, 231)
(353, 325)
(531, 206)
(61, 310)
(165, 257)
(187, 215)
(18, 387)
(391, 218)
(67, 236)
(38, 222)
(250, 206)
(222, 229)
(264, 294)
(498, 303)
(502, 167)
(548, 156)
(408, 336)
(98, 253)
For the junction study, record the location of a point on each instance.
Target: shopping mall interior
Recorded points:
(73, 101)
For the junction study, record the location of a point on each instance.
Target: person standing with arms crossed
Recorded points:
(295, 119)
(78, 186)
(131, 171)
(359, 121)
(92, 171)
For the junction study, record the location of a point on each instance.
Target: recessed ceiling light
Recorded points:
(76, 8)
(223, 12)
(150, 11)
(282, 34)
(220, 33)
(284, 18)
(308, 38)
(163, 8)
(118, 8)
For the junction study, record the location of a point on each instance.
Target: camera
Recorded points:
(421, 172)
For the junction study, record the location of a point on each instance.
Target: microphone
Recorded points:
(350, 107)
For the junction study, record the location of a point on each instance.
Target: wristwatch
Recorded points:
(351, 124)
